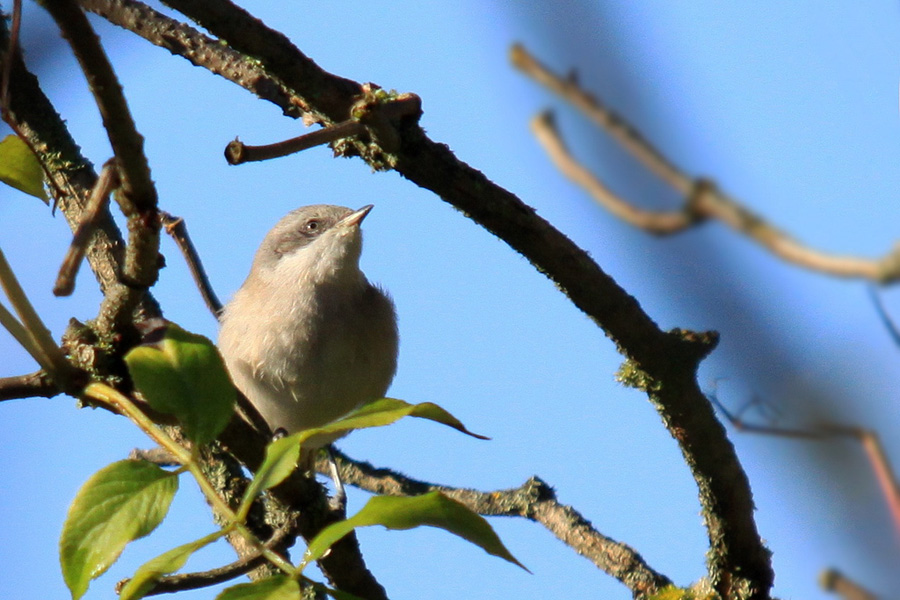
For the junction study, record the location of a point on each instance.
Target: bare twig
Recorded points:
(372, 110)
(534, 500)
(703, 200)
(237, 152)
(833, 580)
(106, 182)
(659, 222)
(176, 227)
(33, 385)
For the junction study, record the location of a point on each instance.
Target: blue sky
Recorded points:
(790, 107)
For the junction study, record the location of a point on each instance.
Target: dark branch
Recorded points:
(33, 385)
(108, 181)
(137, 194)
(833, 580)
(194, 581)
(176, 228)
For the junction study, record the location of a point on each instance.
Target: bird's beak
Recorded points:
(356, 217)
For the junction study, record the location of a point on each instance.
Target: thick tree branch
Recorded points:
(534, 500)
(201, 50)
(703, 199)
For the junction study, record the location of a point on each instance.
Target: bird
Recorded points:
(307, 338)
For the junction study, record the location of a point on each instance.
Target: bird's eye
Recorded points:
(311, 226)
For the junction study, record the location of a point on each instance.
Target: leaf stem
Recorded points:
(105, 393)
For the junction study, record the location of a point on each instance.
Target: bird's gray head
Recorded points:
(322, 240)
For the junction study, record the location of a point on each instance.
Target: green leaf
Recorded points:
(152, 571)
(20, 169)
(184, 375)
(389, 410)
(281, 460)
(278, 587)
(120, 503)
(433, 509)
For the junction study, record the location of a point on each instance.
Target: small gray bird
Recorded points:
(307, 338)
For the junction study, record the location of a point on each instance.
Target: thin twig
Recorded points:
(33, 385)
(106, 182)
(659, 222)
(176, 228)
(370, 111)
(237, 152)
(202, 579)
(886, 319)
(702, 198)
(534, 500)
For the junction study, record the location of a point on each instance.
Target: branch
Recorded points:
(237, 152)
(661, 363)
(176, 228)
(106, 183)
(833, 580)
(201, 50)
(72, 176)
(192, 581)
(137, 194)
(868, 439)
(534, 500)
(37, 384)
(703, 199)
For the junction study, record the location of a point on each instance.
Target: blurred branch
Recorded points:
(534, 500)
(886, 319)
(833, 580)
(868, 439)
(662, 363)
(31, 332)
(703, 199)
